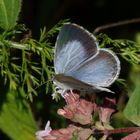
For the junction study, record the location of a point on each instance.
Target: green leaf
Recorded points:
(16, 119)
(129, 50)
(9, 11)
(132, 110)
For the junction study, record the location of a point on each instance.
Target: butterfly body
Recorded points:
(70, 83)
(79, 62)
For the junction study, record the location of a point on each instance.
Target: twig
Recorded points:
(119, 130)
(116, 24)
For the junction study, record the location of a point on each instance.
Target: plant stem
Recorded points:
(116, 24)
(21, 46)
(120, 130)
(18, 45)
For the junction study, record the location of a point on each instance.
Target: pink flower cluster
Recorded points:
(80, 111)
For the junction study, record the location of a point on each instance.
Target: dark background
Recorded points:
(87, 13)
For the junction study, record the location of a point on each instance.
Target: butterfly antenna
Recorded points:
(46, 82)
(35, 89)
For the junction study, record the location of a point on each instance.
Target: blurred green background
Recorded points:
(88, 13)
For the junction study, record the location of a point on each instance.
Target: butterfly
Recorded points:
(80, 64)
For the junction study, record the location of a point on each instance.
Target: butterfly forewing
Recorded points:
(100, 71)
(74, 46)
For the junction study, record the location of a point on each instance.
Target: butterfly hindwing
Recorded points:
(100, 71)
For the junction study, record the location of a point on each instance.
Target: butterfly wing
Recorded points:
(100, 71)
(74, 46)
(68, 82)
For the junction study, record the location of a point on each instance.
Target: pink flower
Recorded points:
(77, 110)
(106, 110)
(133, 136)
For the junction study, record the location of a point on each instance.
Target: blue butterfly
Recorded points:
(80, 64)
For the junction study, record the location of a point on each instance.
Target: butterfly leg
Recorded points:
(66, 93)
(56, 91)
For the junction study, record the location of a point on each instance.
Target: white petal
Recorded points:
(43, 133)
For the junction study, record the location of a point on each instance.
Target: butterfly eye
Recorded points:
(57, 89)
